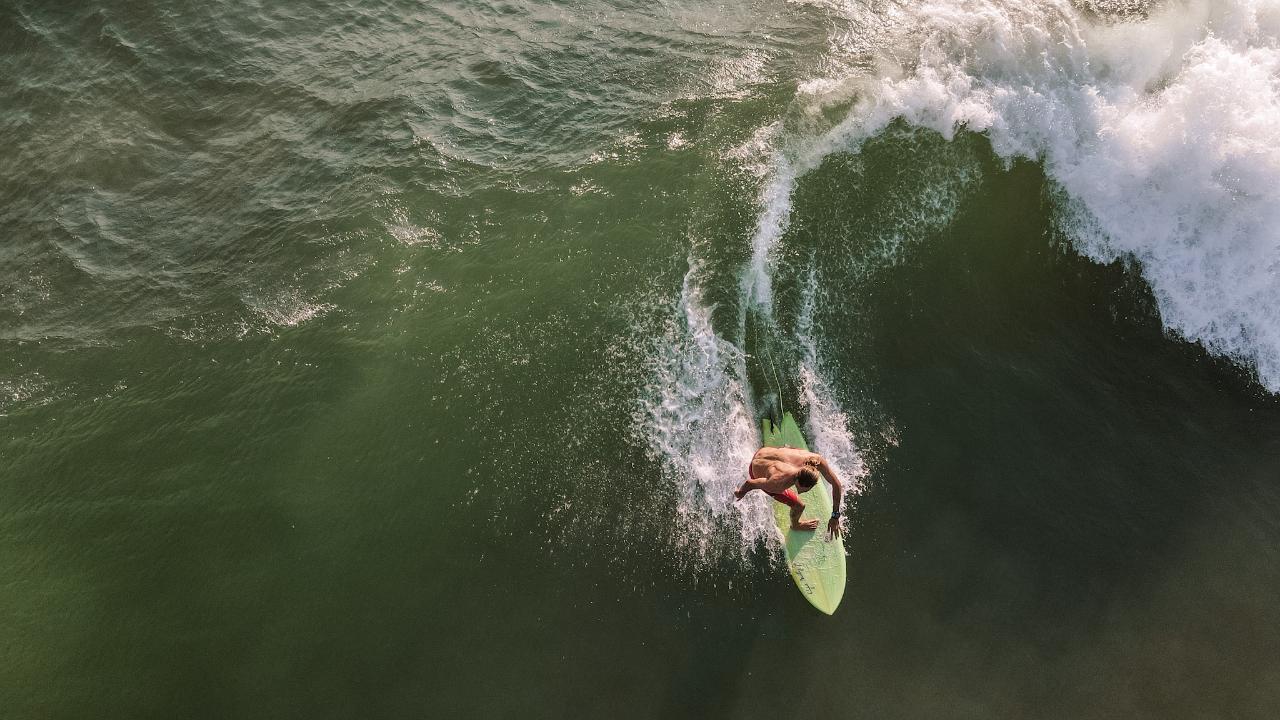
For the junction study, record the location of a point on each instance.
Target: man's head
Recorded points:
(806, 478)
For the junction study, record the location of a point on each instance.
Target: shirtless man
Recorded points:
(776, 469)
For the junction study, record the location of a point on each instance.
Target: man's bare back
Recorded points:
(777, 466)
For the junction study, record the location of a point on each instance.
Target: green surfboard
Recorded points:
(816, 564)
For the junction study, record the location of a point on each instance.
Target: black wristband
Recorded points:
(835, 514)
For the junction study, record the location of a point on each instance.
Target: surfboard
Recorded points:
(815, 563)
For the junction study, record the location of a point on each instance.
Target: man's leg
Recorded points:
(747, 486)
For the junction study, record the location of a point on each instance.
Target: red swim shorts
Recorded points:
(787, 497)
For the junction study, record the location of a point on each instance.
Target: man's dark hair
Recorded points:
(808, 477)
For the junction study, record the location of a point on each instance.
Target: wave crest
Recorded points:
(1162, 134)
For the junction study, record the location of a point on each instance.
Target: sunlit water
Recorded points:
(385, 359)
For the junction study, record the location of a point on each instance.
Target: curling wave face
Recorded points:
(1160, 128)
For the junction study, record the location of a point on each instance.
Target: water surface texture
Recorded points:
(386, 359)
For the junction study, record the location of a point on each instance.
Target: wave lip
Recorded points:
(1161, 135)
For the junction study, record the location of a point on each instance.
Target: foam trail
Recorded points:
(1161, 134)
(771, 225)
(828, 426)
(698, 406)
(701, 424)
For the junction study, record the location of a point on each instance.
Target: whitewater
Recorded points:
(1158, 129)
(1161, 135)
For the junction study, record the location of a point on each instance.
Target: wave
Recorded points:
(828, 425)
(699, 410)
(1159, 128)
(699, 419)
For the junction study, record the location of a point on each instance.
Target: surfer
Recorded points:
(779, 471)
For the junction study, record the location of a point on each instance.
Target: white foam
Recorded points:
(828, 425)
(1162, 134)
(700, 423)
(698, 409)
(771, 224)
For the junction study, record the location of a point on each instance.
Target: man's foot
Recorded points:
(739, 493)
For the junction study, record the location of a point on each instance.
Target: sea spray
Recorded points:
(699, 408)
(828, 425)
(1161, 135)
(771, 225)
(700, 422)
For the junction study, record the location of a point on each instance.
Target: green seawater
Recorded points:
(336, 337)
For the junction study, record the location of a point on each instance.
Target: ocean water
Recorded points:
(384, 359)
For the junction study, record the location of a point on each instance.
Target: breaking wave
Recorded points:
(1158, 126)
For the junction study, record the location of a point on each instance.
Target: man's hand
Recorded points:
(805, 525)
(833, 528)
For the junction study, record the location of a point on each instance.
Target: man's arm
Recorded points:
(837, 497)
